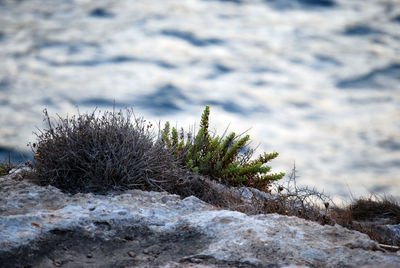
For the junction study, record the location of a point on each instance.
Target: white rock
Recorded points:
(31, 217)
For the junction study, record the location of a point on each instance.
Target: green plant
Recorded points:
(226, 159)
(6, 166)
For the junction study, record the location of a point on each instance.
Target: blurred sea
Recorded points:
(315, 80)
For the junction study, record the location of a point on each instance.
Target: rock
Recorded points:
(389, 234)
(43, 227)
(132, 254)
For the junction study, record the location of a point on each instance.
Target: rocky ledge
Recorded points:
(43, 227)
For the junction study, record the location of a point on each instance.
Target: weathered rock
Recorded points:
(44, 227)
(390, 234)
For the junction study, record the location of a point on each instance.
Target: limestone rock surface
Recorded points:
(43, 227)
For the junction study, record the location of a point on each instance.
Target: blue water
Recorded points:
(315, 80)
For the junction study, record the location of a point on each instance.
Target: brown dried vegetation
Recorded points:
(366, 214)
(101, 152)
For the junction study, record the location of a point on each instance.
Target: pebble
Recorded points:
(132, 254)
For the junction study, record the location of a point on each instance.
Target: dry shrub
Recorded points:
(289, 199)
(100, 152)
(376, 207)
(301, 201)
(365, 214)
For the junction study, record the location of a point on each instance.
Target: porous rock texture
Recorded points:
(43, 227)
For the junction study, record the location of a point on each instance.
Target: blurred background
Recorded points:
(315, 80)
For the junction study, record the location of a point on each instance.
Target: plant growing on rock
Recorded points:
(226, 159)
(91, 153)
(6, 166)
